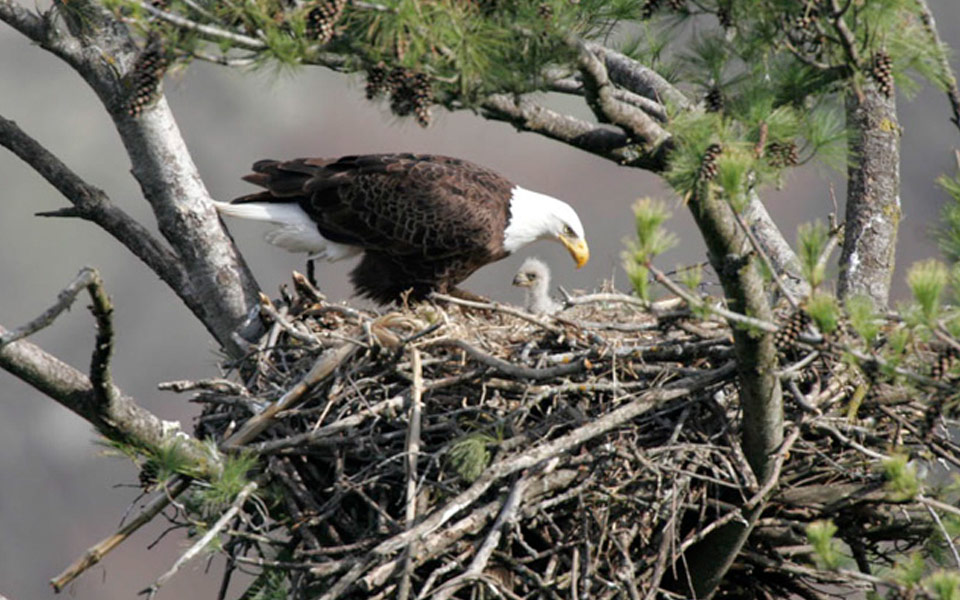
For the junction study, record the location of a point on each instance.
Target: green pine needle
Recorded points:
(927, 280)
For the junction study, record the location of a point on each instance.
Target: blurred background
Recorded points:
(59, 491)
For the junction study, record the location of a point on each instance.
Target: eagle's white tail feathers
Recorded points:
(295, 231)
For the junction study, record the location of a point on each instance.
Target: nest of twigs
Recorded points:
(449, 451)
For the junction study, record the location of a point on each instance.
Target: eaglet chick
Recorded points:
(535, 276)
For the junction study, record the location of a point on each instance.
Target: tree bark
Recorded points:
(760, 394)
(873, 197)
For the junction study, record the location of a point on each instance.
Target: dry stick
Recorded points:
(474, 571)
(324, 366)
(693, 301)
(473, 522)
(65, 299)
(100, 375)
(413, 452)
(946, 535)
(200, 544)
(95, 553)
(759, 497)
(496, 306)
(517, 371)
(525, 460)
(267, 308)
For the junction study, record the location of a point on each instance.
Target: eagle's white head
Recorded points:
(535, 216)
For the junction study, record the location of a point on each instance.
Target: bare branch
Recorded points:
(96, 552)
(608, 108)
(92, 204)
(526, 115)
(574, 86)
(639, 78)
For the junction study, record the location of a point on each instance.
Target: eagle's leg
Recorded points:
(312, 272)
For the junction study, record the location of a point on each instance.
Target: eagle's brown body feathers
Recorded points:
(387, 205)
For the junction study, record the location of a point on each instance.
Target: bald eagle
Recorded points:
(534, 275)
(422, 223)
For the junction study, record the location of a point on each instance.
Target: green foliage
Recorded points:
(863, 317)
(927, 279)
(827, 550)
(909, 570)
(231, 477)
(948, 234)
(824, 309)
(652, 239)
(271, 584)
(691, 276)
(470, 455)
(903, 483)
(812, 239)
(943, 585)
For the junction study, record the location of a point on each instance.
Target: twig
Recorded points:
(412, 454)
(497, 307)
(528, 459)
(92, 204)
(210, 32)
(96, 552)
(950, 79)
(65, 299)
(695, 302)
(323, 367)
(204, 540)
(507, 368)
(100, 375)
(475, 570)
(946, 535)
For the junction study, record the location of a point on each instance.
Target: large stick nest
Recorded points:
(446, 451)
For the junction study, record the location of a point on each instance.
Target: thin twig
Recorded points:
(412, 454)
(204, 540)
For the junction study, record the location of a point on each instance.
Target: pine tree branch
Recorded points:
(207, 32)
(761, 396)
(949, 76)
(526, 115)
(639, 78)
(599, 92)
(574, 87)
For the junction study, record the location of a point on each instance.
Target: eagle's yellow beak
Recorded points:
(578, 249)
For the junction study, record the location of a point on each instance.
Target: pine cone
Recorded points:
(322, 19)
(708, 165)
(714, 99)
(376, 81)
(410, 92)
(882, 72)
(145, 77)
(946, 356)
(725, 15)
(649, 7)
(789, 333)
(783, 154)
(677, 5)
(545, 11)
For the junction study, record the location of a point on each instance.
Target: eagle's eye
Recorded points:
(568, 231)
